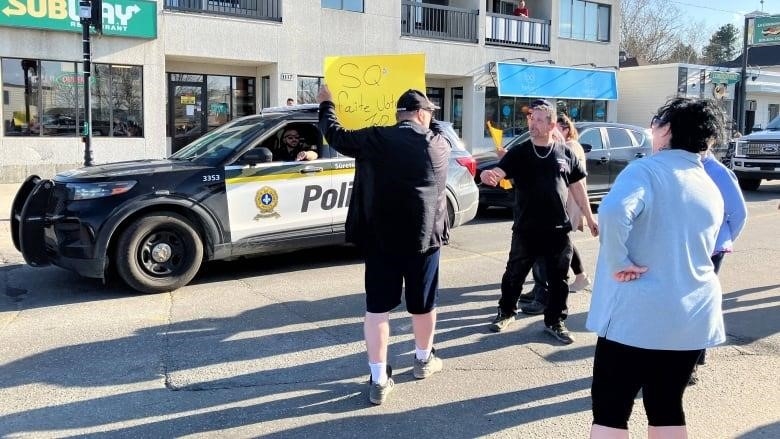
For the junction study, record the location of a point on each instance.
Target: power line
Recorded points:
(705, 7)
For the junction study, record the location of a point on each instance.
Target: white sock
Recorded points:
(422, 354)
(378, 373)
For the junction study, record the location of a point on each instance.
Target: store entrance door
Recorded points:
(186, 115)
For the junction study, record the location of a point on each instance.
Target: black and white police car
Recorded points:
(156, 221)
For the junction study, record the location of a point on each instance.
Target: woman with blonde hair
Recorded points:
(571, 137)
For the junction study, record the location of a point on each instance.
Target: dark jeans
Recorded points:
(539, 274)
(717, 261)
(552, 247)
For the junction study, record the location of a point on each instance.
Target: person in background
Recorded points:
(290, 101)
(734, 218)
(543, 171)
(656, 300)
(570, 134)
(521, 10)
(293, 148)
(398, 217)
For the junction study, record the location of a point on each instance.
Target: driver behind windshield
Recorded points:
(294, 148)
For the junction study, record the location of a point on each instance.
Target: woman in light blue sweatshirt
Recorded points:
(734, 218)
(656, 300)
(735, 209)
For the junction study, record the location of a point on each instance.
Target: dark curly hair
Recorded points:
(694, 123)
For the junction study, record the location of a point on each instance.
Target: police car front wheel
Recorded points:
(159, 252)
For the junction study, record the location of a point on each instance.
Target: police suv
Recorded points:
(221, 197)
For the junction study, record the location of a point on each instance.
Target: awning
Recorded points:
(530, 80)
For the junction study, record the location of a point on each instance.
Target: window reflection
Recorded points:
(46, 98)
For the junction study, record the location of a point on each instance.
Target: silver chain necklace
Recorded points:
(533, 147)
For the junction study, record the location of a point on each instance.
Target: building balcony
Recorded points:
(526, 33)
(270, 10)
(440, 22)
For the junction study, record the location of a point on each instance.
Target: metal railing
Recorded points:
(504, 30)
(441, 22)
(260, 9)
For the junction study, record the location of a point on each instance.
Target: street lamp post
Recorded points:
(91, 13)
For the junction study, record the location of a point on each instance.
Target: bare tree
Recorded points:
(656, 31)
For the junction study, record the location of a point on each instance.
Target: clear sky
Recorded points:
(716, 13)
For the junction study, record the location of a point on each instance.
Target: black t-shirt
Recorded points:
(281, 153)
(541, 180)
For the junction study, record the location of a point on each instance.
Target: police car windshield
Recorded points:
(216, 146)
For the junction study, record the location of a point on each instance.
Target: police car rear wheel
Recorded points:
(159, 252)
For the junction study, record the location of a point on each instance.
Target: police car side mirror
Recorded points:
(587, 147)
(257, 155)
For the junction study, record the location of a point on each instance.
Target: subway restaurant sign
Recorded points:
(124, 18)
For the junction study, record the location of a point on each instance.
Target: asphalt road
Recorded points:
(272, 347)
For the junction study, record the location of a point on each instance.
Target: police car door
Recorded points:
(279, 201)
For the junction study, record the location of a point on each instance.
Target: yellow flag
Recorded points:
(366, 89)
(497, 135)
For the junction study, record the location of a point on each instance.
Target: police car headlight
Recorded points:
(89, 191)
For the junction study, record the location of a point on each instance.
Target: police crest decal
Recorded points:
(266, 200)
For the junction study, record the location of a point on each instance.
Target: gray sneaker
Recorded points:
(533, 308)
(560, 332)
(424, 369)
(377, 394)
(501, 321)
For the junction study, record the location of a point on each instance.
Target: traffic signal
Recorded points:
(97, 16)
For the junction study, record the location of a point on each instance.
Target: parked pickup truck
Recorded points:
(756, 156)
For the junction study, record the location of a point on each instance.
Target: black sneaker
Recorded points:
(560, 332)
(501, 321)
(533, 308)
(377, 394)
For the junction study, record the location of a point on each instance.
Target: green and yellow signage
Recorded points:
(123, 18)
(766, 30)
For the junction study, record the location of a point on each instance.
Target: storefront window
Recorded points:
(308, 87)
(457, 109)
(218, 101)
(244, 96)
(509, 113)
(436, 95)
(46, 98)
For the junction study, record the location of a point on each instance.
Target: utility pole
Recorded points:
(91, 13)
(743, 79)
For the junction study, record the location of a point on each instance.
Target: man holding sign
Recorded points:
(398, 217)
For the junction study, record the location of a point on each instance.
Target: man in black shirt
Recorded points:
(543, 171)
(398, 216)
(294, 148)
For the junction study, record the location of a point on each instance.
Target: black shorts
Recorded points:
(620, 371)
(387, 274)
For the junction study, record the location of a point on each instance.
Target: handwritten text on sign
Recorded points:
(365, 89)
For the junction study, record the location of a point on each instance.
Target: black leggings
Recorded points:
(620, 371)
(576, 262)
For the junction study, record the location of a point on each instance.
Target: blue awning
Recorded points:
(530, 80)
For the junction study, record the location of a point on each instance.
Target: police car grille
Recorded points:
(763, 150)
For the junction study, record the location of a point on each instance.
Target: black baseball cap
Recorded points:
(413, 100)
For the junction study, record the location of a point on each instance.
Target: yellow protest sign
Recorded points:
(497, 134)
(366, 89)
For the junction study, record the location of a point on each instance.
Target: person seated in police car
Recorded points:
(294, 148)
